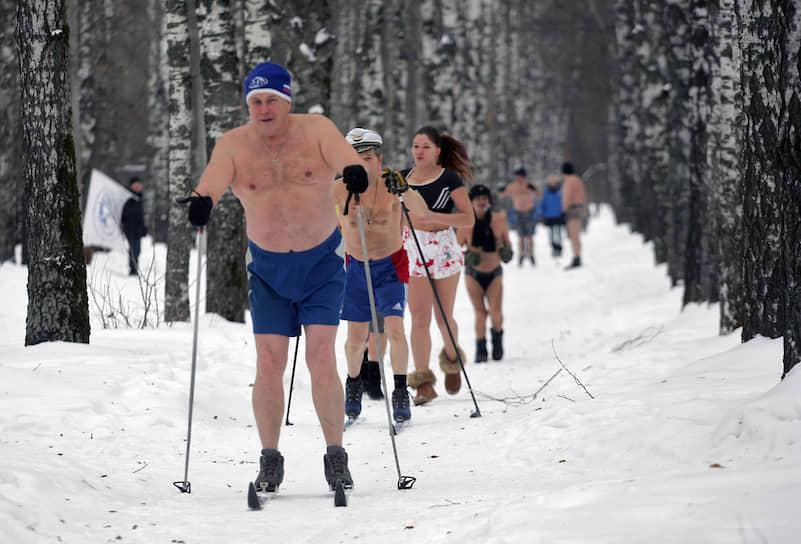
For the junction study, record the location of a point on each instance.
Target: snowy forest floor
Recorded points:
(688, 437)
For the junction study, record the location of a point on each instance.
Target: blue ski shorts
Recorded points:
(287, 290)
(390, 278)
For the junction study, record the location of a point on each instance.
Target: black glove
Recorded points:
(355, 178)
(395, 182)
(506, 253)
(199, 209)
(472, 258)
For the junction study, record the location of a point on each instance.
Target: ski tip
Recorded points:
(254, 502)
(340, 499)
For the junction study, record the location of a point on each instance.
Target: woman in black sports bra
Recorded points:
(440, 164)
(488, 245)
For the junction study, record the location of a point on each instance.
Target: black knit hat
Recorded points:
(479, 190)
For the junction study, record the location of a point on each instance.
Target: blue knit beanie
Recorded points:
(269, 77)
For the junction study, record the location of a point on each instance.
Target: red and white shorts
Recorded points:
(443, 254)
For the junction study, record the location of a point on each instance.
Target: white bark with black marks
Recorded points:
(58, 307)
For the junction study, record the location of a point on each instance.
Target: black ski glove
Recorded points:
(355, 178)
(199, 209)
(395, 182)
(506, 253)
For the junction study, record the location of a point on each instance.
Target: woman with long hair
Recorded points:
(441, 162)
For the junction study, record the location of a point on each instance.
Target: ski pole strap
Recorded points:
(347, 201)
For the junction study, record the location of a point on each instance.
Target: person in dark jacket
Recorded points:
(133, 224)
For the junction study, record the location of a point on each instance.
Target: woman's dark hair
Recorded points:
(453, 153)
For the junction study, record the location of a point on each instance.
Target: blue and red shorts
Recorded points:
(390, 279)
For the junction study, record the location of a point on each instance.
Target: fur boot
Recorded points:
(423, 381)
(452, 370)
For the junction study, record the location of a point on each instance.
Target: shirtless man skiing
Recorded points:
(382, 219)
(281, 166)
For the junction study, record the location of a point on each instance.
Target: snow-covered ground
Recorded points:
(688, 436)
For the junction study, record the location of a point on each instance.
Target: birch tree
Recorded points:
(788, 149)
(700, 260)
(158, 121)
(724, 157)
(11, 175)
(762, 68)
(179, 233)
(226, 283)
(58, 308)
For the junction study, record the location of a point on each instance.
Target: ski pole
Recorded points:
(477, 413)
(404, 482)
(184, 484)
(292, 380)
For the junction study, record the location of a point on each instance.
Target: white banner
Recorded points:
(101, 219)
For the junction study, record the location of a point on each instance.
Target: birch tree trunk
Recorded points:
(12, 178)
(724, 158)
(158, 116)
(764, 280)
(630, 35)
(179, 232)
(226, 277)
(700, 260)
(58, 308)
(91, 30)
(789, 145)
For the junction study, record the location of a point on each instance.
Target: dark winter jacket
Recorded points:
(133, 218)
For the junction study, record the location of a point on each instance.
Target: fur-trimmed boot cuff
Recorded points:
(421, 377)
(448, 366)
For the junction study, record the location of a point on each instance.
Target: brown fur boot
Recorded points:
(452, 370)
(423, 381)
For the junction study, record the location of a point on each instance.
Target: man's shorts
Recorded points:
(288, 290)
(443, 253)
(526, 223)
(390, 278)
(576, 211)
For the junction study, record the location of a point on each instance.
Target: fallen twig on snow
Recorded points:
(645, 336)
(521, 399)
(553, 346)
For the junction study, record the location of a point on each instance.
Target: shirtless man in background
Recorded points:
(281, 166)
(524, 199)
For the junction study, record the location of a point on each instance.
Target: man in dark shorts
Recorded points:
(487, 244)
(281, 166)
(524, 202)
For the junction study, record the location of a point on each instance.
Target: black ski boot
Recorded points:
(497, 345)
(371, 378)
(400, 405)
(353, 397)
(272, 470)
(335, 465)
(481, 350)
(576, 263)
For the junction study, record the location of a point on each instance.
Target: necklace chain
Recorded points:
(372, 208)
